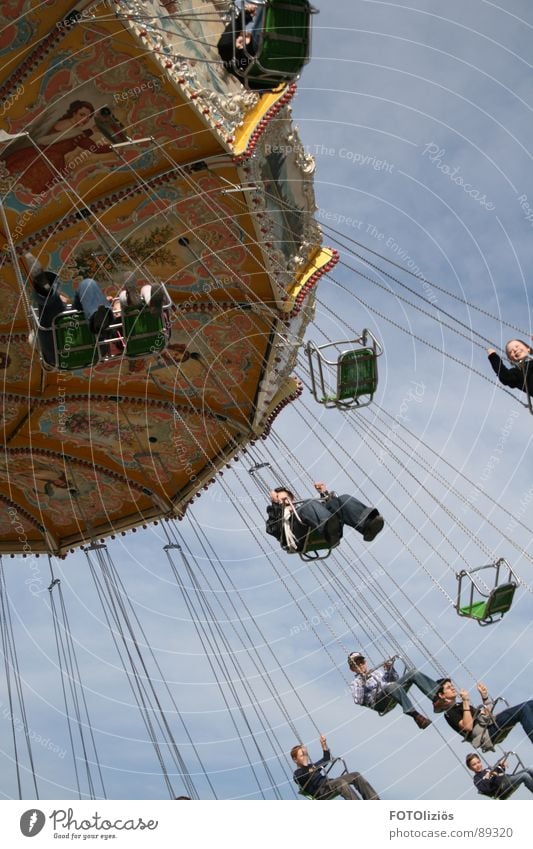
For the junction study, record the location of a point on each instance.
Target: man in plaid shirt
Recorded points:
(374, 688)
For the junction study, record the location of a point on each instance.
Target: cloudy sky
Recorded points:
(418, 114)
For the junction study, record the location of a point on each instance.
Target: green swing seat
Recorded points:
(351, 380)
(284, 44)
(334, 761)
(318, 544)
(357, 374)
(76, 347)
(499, 601)
(143, 332)
(486, 604)
(74, 343)
(518, 766)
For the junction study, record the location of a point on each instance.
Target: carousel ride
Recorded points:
(122, 155)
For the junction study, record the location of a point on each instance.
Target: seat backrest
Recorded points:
(284, 43)
(500, 599)
(143, 332)
(356, 373)
(500, 735)
(325, 539)
(74, 343)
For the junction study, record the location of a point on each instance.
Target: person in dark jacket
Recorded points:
(493, 781)
(520, 376)
(311, 779)
(237, 46)
(479, 726)
(290, 522)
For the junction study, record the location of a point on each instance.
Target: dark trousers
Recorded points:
(398, 690)
(522, 713)
(344, 785)
(315, 512)
(512, 782)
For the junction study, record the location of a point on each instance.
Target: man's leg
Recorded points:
(399, 695)
(524, 776)
(96, 308)
(522, 713)
(424, 683)
(366, 520)
(314, 513)
(363, 787)
(342, 787)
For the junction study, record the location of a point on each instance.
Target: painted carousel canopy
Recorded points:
(126, 146)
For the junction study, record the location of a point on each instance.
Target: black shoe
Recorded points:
(100, 320)
(157, 299)
(130, 286)
(372, 527)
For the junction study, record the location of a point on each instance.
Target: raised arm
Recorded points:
(508, 376)
(467, 722)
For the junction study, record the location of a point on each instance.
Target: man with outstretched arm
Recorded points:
(312, 780)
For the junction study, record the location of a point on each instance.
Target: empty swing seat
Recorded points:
(350, 380)
(284, 44)
(486, 593)
(357, 374)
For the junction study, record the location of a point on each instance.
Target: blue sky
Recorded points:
(399, 101)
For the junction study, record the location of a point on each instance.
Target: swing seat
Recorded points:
(302, 791)
(143, 332)
(351, 380)
(486, 604)
(284, 44)
(499, 601)
(318, 544)
(388, 704)
(75, 345)
(519, 765)
(357, 374)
